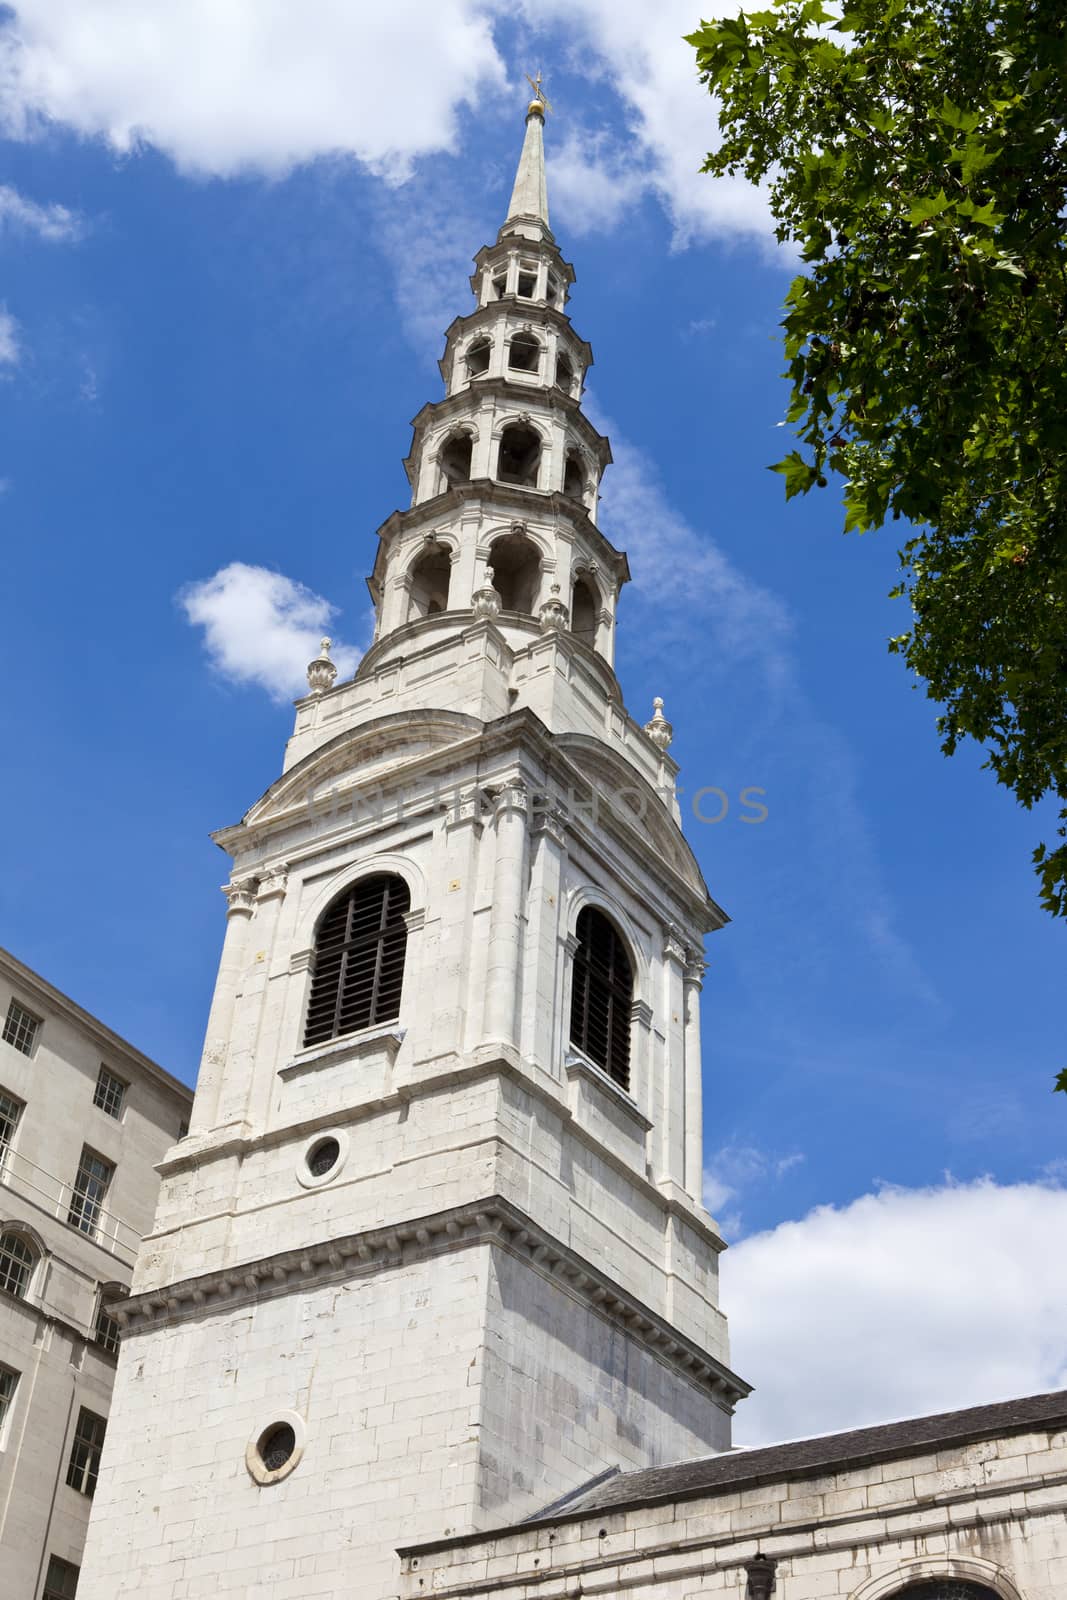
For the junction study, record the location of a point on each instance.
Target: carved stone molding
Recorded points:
(694, 972)
(674, 946)
(512, 796)
(492, 1220)
(274, 880)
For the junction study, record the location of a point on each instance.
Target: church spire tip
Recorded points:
(528, 211)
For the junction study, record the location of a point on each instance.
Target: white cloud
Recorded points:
(905, 1302)
(250, 85)
(736, 1168)
(264, 86)
(9, 339)
(53, 222)
(262, 628)
(671, 122)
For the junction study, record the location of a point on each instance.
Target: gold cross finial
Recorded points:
(539, 93)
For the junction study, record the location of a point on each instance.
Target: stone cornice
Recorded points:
(236, 1140)
(522, 730)
(489, 1221)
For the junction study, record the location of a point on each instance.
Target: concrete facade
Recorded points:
(50, 1338)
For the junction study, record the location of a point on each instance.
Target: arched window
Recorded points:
(430, 578)
(359, 959)
(945, 1589)
(564, 374)
(524, 353)
(602, 994)
(519, 457)
(455, 458)
(17, 1261)
(574, 476)
(477, 357)
(516, 564)
(583, 612)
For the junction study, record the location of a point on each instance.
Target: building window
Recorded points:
(10, 1111)
(477, 358)
(524, 353)
(455, 457)
(61, 1582)
(564, 374)
(519, 455)
(21, 1028)
(110, 1092)
(8, 1384)
(527, 281)
(183, 1130)
(945, 1589)
(84, 1468)
(90, 1187)
(17, 1261)
(602, 995)
(359, 959)
(106, 1328)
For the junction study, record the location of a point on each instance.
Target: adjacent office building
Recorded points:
(84, 1118)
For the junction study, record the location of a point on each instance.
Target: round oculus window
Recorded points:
(277, 1446)
(323, 1157)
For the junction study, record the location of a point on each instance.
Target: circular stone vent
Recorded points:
(276, 1446)
(324, 1157)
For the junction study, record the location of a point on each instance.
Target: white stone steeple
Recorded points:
(433, 1254)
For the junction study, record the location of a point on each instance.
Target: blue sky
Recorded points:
(227, 259)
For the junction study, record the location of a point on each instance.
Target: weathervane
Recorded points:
(539, 93)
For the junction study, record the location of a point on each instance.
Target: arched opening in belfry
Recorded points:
(519, 457)
(455, 458)
(574, 482)
(565, 374)
(584, 608)
(477, 358)
(430, 578)
(524, 353)
(516, 564)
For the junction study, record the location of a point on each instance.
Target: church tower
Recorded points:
(433, 1254)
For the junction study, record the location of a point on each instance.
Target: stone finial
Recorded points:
(321, 672)
(485, 602)
(659, 730)
(554, 614)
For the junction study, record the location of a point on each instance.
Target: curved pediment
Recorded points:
(630, 796)
(360, 756)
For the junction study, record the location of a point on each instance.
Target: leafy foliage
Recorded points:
(916, 152)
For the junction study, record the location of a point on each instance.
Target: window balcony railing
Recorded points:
(50, 1194)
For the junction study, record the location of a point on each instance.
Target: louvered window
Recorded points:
(359, 959)
(602, 995)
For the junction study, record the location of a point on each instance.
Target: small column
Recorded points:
(694, 1084)
(674, 1126)
(237, 1084)
(505, 923)
(548, 831)
(240, 904)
